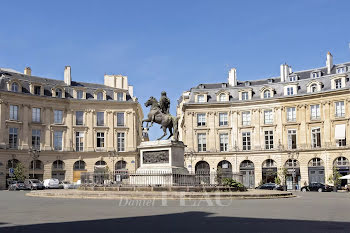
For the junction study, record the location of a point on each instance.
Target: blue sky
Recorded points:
(171, 45)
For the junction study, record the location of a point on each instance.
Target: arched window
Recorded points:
(99, 95)
(14, 87)
(269, 163)
(202, 167)
(79, 165)
(100, 163)
(267, 94)
(12, 163)
(316, 162)
(58, 165)
(120, 165)
(341, 161)
(247, 164)
(58, 92)
(225, 166)
(222, 97)
(292, 163)
(313, 88)
(37, 165)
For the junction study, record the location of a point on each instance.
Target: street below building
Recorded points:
(308, 212)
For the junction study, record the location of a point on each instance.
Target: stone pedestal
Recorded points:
(161, 163)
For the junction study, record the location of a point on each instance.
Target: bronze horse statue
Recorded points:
(166, 121)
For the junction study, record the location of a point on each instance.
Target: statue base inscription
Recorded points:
(158, 161)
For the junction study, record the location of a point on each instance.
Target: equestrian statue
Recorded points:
(159, 114)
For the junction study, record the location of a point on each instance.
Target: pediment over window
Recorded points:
(314, 86)
(267, 92)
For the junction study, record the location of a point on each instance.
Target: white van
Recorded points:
(52, 183)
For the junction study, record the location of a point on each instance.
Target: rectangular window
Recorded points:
(268, 119)
(268, 139)
(100, 118)
(57, 140)
(14, 112)
(290, 90)
(316, 74)
(121, 141)
(79, 141)
(200, 119)
(120, 119)
(201, 99)
(245, 96)
(341, 142)
(36, 114)
(80, 95)
(291, 114)
(246, 140)
(292, 139)
(340, 70)
(224, 142)
(120, 96)
(339, 109)
(292, 78)
(36, 139)
(13, 138)
(223, 119)
(37, 90)
(100, 140)
(315, 112)
(246, 118)
(58, 116)
(79, 118)
(337, 83)
(202, 142)
(316, 137)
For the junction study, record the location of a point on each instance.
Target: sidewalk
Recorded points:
(82, 194)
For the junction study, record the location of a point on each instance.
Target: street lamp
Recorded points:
(34, 153)
(192, 157)
(112, 155)
(293, 156)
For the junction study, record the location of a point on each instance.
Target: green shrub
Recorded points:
(229, 182)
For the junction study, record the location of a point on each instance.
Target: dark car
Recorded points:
(17, 185)
(319, 187)
(33, 184)
(270, 186)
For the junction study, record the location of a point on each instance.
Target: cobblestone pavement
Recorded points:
(309, 212)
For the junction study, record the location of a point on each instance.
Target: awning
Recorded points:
(340, 131)
(347, 177)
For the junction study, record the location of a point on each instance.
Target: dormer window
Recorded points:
(290, 91)
(316, 74)
(313, 88)
(341, 70)
(267, 94)
(293, 78)
(224, 85)
(37, 90)
(245, 95)
(120, 96)
(80, 94)
(201, 98)
(99, 96)
(59, 93)
(270, 81)
(222, 97)
(14, 87)
(247, 84)
(201, 86)
(337, 83)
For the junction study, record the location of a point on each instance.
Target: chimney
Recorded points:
(285, 71)
(28, 71)
(329, 62)
(67, 76)
(232, 77)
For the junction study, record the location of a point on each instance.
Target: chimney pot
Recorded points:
(232, 77)
(67, 75)
(329, 62)
(28, 71)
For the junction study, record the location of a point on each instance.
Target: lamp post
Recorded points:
(192, 157)
(112, 155)
(293, 156)
(34, 153)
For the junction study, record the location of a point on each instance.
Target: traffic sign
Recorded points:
(11, 171)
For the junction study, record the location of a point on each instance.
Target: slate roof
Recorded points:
(48, 84)
(304, 77)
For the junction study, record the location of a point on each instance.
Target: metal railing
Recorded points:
(157, 178)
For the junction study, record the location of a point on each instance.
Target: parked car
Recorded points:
(51, 183)
(319, 187)
(270, 186)
(33, 184)
(17, 185)
(66, 185)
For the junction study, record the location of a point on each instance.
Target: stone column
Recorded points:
(91, 132)
(25, 130)
(303, 116)
(69, 131)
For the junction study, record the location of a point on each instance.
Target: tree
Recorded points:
(19, 172)
(334, 178)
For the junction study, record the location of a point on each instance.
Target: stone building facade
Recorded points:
(295, 124)
(76, 126)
